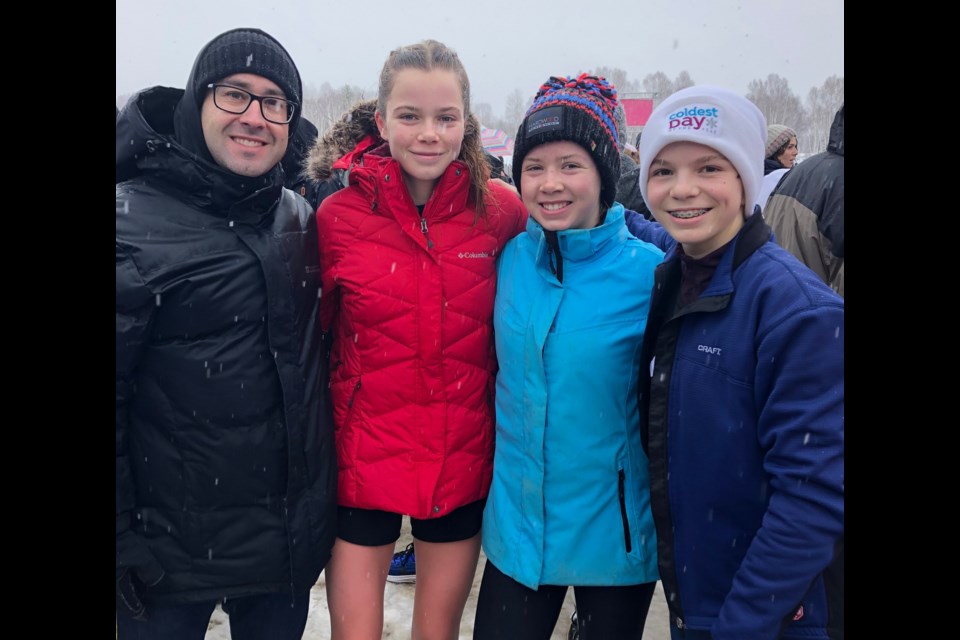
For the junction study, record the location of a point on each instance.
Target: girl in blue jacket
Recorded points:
(569, 504)
(742, 393)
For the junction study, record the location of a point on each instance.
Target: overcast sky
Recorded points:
(504, 44)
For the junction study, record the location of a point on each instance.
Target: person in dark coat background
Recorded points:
(628, 186)
(294, 163)
(226, 467)
(805, 211)
(331, 156)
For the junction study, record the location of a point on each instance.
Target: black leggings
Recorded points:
(507, 610)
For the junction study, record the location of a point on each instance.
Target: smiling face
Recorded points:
(789, 155)
(244, 143)
(424, 124)
(697, 195)
(560, 186)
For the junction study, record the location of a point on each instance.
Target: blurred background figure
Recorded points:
(781, 151)
(805, 210)
(497, 170)
(295, 177)
(780, 155)
(333, 154)
(628, 187)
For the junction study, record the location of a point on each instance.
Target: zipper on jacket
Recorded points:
(353, 396)
(423, 228)
(621, 482)
(553, 252)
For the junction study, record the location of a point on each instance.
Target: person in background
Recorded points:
(569, 504)
(781, 155)
(408, 266)
(496, 168)
(806, 210)
(294, 160)
(742, 389)
(332, 156)
(628, 189)
(226, 467)
(781, 148)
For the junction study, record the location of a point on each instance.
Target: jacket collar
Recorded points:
(380, 178)
(577, 245)
(147, 146)
(753, 235)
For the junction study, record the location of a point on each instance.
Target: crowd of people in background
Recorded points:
(608, 363)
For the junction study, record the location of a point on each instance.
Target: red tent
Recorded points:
(637, 110)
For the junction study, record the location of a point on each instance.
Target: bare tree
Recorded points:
(617, 77)
(683, 81)
(516, 107)
(822, 105)
(659, 85)
(484, 113)
(777, 102)
(327, 105)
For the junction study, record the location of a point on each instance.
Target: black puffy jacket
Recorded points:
(226, 465)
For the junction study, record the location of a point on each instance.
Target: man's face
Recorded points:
(244, 143)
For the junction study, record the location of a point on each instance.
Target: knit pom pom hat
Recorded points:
(579, 109)
(777, 136)
(714, 117)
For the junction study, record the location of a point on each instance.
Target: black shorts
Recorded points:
(373, 528)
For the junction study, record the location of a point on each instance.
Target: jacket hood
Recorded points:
(354, 133)
(836, 134)
(147, 145)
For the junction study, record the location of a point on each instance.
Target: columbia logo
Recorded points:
(471, 254)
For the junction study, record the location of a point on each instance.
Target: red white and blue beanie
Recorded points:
(579, 109)
(714, 117)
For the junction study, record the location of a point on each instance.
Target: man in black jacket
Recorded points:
(226, 468)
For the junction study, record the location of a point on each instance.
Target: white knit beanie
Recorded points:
(715, 117)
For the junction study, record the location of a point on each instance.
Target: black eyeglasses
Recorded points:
(236, 100)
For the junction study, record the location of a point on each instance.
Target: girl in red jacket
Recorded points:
(408, 254)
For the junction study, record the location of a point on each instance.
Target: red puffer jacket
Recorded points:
(410, 302)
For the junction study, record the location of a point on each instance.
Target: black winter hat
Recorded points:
(580, 110)
(248, 50)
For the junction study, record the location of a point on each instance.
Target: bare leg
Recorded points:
(445, 572)
(356, 577)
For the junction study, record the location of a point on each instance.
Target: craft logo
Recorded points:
(701, 118)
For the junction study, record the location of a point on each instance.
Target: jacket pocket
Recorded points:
(345, 394)
(353, 400)
(622, 496)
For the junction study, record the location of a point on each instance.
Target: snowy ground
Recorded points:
(398, 610)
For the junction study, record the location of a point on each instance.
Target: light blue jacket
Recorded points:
(570, 503)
